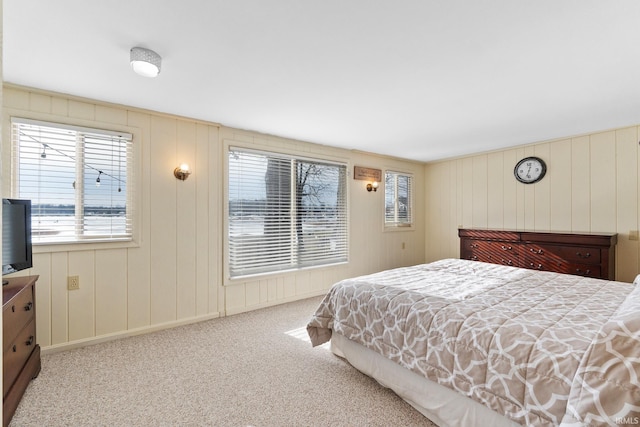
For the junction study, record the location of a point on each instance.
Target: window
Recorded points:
(77, 180)
(284, 212)
(398, 199)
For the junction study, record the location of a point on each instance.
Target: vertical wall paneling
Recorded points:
(235, 296)
(542, 210)
(603, 182)
(479, 187)
(528, 197)
(495, 190)
(454, 203)
(270, 288)
(456, 175)
(439, 213)
(186, 209)
(289, 286)
(163, 239)
(433, 185)
(59, 321)
(627, 202)
(42, 268)
(510, 190)
(139, 258)
(217, 179)
(252, 294)
(580, 184)
(592, 185)
(203, 192)
(559, 185)
(466, 172)
(82, 301)
(111, 291)
(520, 196)
(449, 203)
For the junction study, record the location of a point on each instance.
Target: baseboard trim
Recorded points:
(56, 348)
(237, 310)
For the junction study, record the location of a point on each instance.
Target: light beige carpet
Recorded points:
(251, 369)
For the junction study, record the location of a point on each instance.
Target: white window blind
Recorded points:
(77, 180)
(284, 212)
(398, 199)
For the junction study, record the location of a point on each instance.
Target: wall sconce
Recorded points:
(372, 186)
(182, 172)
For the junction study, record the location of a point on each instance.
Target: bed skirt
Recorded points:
(440, 404)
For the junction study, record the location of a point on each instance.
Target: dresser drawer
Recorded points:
(587, 270)
(505, 253)
(572, 254)
(17, 353)
(16, 314)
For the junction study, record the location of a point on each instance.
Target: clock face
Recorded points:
(530, 170)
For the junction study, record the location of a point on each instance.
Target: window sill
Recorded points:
(236, 280)
(392, 228)
(42, 248)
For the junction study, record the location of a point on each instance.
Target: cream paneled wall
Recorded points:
(173, 274)
(371, 248)
(591, 186)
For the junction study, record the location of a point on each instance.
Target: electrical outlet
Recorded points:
(73, 283)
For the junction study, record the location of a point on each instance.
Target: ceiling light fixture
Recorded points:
(145, 61)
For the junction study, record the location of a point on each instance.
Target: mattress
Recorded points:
(537, 348)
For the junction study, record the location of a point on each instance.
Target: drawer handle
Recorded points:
(536, 251)
(539, 266)
(583, 272)
(29, 306)
(505, 248)
(474, 258)
(13, 308)
(14, 348)
(474, 245)
(581, 255)
(507, 261)
(30, 340)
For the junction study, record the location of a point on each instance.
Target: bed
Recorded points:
(471, 343)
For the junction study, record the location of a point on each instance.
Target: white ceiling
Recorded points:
(419, 79)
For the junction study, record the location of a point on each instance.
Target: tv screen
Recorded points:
(16, 235)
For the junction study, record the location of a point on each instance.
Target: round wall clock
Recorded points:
(530, 170)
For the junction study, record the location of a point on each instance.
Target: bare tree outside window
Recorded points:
(284, 212)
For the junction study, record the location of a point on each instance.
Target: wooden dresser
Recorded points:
(586, 254)
(21, 354)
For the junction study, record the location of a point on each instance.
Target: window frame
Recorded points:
(399, 226)
(132, 182)
(230, 145)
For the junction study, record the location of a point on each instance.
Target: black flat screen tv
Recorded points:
(16, 236)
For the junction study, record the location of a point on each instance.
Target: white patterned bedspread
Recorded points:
(540, 348)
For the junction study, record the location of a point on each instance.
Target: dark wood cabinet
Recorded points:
(585, 254)
(21, 353)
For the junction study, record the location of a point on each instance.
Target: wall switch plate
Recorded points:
(73, 283)
(633, 235)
